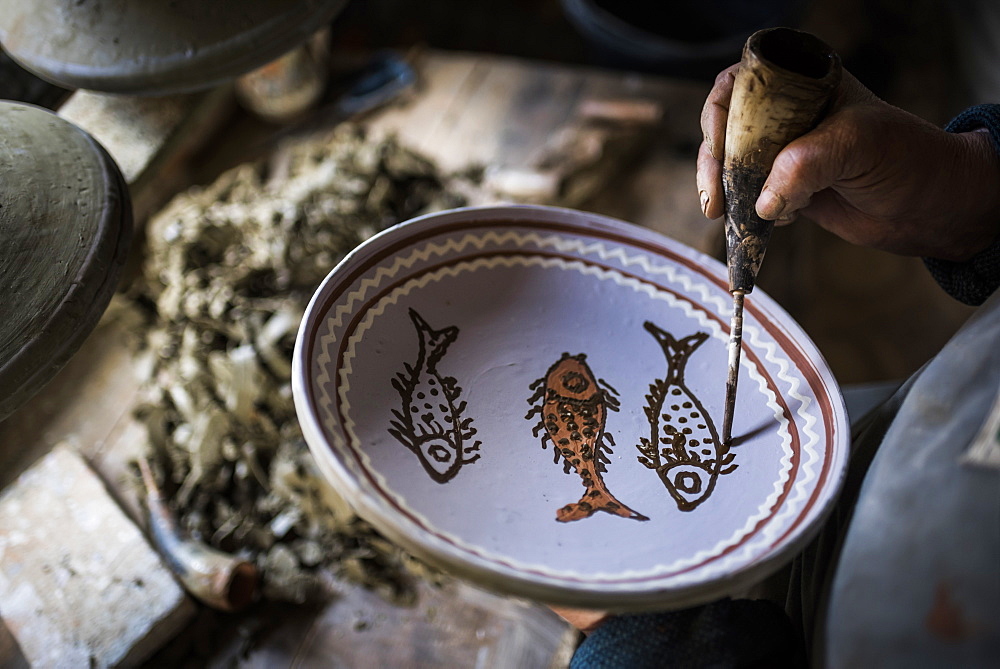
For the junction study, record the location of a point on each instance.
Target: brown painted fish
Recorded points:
(683, 446)
(573, 409)
(430, 422)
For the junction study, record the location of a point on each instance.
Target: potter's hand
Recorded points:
(872, 174)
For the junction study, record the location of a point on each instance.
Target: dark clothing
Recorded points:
(726, 633)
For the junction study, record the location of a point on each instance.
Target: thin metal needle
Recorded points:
(735, 348)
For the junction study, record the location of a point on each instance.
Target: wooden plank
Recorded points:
(79, 584)
(506, 113)
(151, 138)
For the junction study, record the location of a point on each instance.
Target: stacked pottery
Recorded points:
(65, 221)
(65, 214)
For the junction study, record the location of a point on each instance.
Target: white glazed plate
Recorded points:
(530, 398)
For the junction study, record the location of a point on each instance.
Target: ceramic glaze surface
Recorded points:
(570, 452)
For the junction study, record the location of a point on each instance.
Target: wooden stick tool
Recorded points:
(782, 88)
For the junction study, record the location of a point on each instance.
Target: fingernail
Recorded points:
(703, 196)
(770, 205)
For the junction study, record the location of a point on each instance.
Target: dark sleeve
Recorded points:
(975, 279)
(725, 634)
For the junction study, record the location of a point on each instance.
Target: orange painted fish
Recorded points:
(573, 409)
(683, 446)
(430, 422)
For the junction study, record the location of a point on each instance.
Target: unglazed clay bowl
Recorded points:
(65, 226)
(151, 47)
(530, 398)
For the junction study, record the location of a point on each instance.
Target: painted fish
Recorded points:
(683, 446)
(573, 413)
(430, 421)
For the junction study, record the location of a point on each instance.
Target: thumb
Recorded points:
(808, 165)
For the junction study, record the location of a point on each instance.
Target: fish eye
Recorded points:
(688, 482)
(575, 382)
(439, 453)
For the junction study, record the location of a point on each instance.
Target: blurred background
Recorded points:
(875, 317)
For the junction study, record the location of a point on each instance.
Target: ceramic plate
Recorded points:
(531, 398)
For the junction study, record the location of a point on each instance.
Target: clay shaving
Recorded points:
(229, 271)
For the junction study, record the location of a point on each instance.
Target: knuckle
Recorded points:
(725, 78)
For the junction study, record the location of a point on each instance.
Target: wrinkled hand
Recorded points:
(872, 174)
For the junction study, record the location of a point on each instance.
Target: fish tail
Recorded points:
(676, 351)
(596, 499)
(434, 342)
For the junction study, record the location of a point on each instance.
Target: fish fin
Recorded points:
(608, 387)
(647, 449)
(402, 438)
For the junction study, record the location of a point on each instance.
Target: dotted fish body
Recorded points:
(430, 422)
(573, 410)
(683, 447)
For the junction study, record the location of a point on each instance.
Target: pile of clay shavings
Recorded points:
(229, 270)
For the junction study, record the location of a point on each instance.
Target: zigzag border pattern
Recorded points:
(522, 240)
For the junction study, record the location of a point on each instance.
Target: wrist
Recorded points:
(980, 172)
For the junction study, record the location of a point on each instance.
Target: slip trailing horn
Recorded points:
(782, 87)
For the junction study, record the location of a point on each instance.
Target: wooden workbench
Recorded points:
(468, 109)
